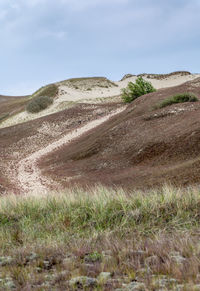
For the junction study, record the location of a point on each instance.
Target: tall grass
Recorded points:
(49, 239)
(83, 212)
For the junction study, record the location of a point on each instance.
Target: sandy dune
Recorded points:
(87, 94)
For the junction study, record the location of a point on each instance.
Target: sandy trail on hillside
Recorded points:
(29, 176)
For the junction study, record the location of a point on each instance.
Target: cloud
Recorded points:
(84, 36)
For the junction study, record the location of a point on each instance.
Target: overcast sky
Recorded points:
(43, 41)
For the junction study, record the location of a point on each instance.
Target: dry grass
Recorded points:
(90, 82)
(49, 90)
(151, 238)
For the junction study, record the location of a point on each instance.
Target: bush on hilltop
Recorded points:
(38, 104)
(133, 91)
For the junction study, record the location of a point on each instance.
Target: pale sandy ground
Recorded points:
(29, 177)
(67, 96)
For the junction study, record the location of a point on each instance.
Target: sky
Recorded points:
(44, 41)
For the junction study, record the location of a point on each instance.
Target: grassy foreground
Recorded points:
(113, 240)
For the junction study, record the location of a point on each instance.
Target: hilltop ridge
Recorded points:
(90, 90)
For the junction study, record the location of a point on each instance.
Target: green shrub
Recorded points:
(133, 91)
(39, 103)
(178, 98)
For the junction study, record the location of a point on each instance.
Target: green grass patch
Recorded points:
(178, 98)
(46, 240)
(55, 216)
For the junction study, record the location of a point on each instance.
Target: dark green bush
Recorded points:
(178, 98)
(39, 103)
(133, 91)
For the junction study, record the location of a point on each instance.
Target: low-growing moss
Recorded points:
(178, 98)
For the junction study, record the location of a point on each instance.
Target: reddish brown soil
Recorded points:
(140, 147)
(19, 141)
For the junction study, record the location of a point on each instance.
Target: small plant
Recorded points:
(178, 98)
(38, 104)
(93, 257)
(133, 91)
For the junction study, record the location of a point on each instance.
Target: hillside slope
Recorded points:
(21, 141)
(141, 147)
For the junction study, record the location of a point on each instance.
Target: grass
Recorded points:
(84, 233)
(96, 81)
(49, 90)
(178, 98)
(104, 210)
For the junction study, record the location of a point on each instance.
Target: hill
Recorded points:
(140, 147)
(92, 142)
(89, 210)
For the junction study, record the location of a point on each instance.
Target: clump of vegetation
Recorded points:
(133, 91)
(49, 90)
(178, 98)
(38, 104)
(93, 257)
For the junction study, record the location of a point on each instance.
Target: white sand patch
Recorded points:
(68, 95)
(29, 176)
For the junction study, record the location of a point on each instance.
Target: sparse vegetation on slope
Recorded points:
(178, 98)
(49, 90)
(143, 239)
(38, 104)
(133, 91)
(90, 82)
(164, 76)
